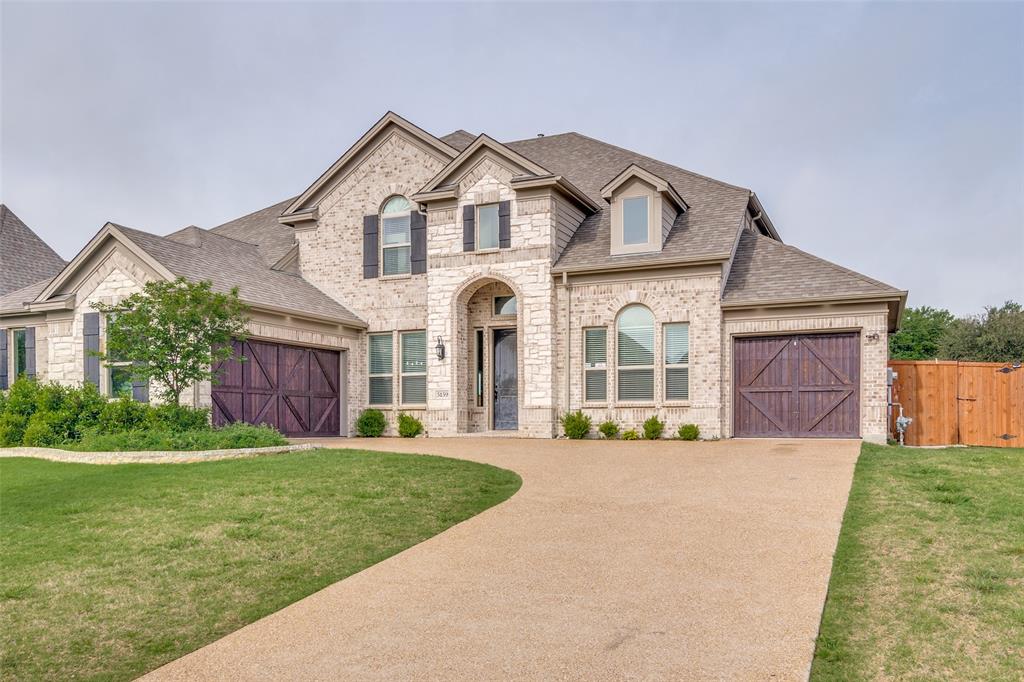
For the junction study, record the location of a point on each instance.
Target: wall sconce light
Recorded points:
(873, 336)
(439, 348)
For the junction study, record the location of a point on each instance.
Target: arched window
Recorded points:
(396, 239)
(635, 342)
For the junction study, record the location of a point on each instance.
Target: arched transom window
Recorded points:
(396, 239)
(635, 343)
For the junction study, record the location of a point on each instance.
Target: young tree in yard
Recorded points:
(920, 334)
(173, 332)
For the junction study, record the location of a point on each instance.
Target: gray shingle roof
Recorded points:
(765, 270)
(14, 301)
(24, 258)
(228, 262)
(459, 139)
(261, 228)
(708, 230)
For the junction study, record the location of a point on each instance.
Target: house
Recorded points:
(490, 287)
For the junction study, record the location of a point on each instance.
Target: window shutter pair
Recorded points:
(3, 359)
(371, 244)
(504, 226)
(30, 352)
(91, 335)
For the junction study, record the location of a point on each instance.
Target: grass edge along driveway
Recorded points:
(928, 577)
(109, 571)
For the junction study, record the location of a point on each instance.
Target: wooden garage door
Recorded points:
(294, 389)
(802, 386)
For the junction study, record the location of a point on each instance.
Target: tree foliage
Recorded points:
(174, 332)
(928, 333)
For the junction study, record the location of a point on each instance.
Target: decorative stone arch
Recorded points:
(462, 344)
(611, 311)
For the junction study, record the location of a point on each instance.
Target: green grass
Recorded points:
(107, 572)
(928, 577)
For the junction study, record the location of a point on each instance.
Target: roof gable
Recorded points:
(388, 124)
(659, 184)
(27, 259)
(482, 147)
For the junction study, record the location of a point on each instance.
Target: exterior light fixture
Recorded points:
(439, 348)
(873, 336)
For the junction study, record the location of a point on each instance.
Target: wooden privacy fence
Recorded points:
(966, 403)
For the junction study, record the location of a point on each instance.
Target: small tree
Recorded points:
(174, 332)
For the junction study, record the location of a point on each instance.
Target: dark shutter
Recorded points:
(504, 224)
(469, 228)
(370, 246)
(3, 359)
(418, 232)
(30, 352)
(140, 390)
(91, 334)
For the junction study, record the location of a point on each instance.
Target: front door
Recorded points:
(506, 380)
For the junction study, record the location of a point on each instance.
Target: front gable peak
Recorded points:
(304, 207)
(482, 147)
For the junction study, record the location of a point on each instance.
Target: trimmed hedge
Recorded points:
(371, 423)
(409, 426)
(653, 428)
(78, 417)
(576, 425)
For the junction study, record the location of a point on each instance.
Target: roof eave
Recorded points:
(643, 265)
(559, 182)
(353, 322)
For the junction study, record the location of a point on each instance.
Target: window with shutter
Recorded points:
(396, 236)
(595, 364)
(20, 353)
(414, 368)
(381, 368)
(487, 227)
(635, 354)
(677, 361)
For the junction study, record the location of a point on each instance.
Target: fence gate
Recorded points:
(967, 403)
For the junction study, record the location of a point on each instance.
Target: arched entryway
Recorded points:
(489, 376)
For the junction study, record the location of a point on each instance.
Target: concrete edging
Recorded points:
(150, 456)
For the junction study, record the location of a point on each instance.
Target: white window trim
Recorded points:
(679, 365)
(476, 227)
(654, 209)
(597, 367)
(382, 247)
(370, 375)
(402, 373)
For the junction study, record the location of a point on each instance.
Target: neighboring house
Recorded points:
(25, 259)
(491, 287)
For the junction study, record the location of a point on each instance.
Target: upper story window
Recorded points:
(396, 237)
(487, 227)
(635, 220)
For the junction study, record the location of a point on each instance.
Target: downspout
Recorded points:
(568, 341)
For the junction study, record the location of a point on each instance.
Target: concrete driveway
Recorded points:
(660, 560)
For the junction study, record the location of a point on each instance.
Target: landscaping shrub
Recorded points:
(576, 425)
(122, 414)
(171, 417)
(630, 434)
(40, 430)
(653, 428)
(232, 436)
(371, 423)
(409, 426)
(12, 429)
(689, 432)
(609, 429)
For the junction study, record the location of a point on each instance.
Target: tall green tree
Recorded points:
(995, 336)
(920, 334)
(174, 333)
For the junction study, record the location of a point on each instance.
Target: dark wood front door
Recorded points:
(506, 380)
(797, 386)
(294, 389)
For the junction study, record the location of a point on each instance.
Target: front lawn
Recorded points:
(928, 577)
(107, 572)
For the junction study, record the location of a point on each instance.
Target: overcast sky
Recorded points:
(888, 138)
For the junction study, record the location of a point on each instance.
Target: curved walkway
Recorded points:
(662, 560)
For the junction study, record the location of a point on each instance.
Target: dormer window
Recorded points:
(635, 223)
(644, 208)
(396, 242)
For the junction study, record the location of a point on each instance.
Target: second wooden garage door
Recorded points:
(797, 386)
(294, 389)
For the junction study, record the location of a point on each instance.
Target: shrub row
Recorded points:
(53, 415)
(372, 423)
(577, 425)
